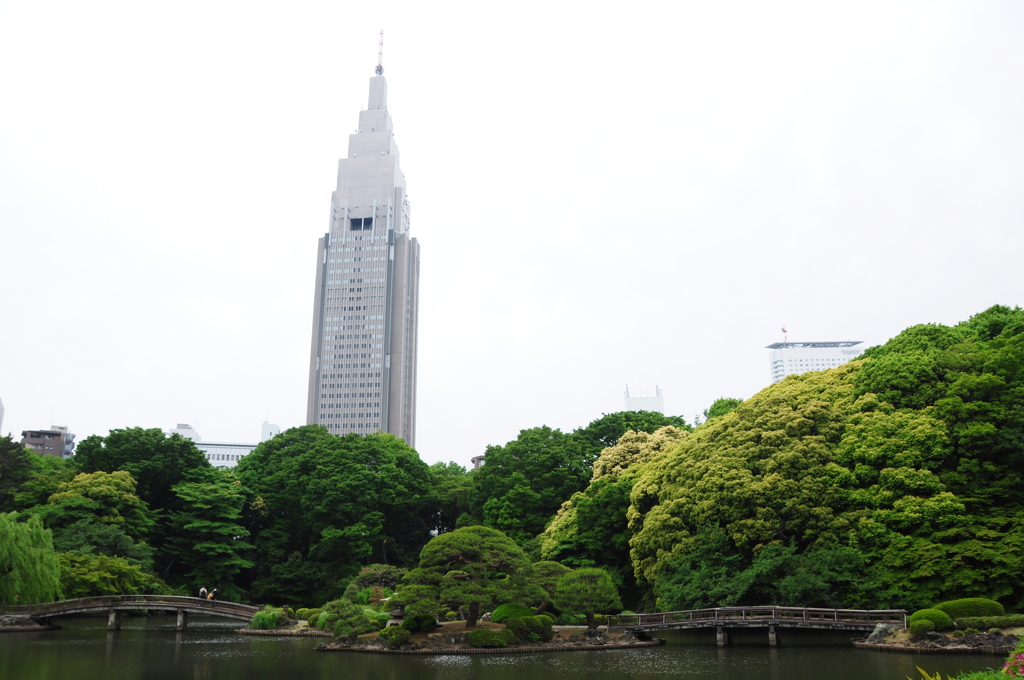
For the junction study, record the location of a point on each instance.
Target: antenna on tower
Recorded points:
(380, 54)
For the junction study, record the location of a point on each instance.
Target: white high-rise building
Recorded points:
(788, 358)
(223, 454)
(638, 402)
(362, 367)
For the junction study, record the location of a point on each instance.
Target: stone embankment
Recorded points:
(894, 639)
(448, 643)
(293, 632)
(10, 623)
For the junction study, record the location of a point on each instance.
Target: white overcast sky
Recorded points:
(604, 193)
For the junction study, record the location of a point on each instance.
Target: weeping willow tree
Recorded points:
(29, 568)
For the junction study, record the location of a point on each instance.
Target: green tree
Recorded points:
(476, 568)
(323, 505)
(587, 591)
(546, 574)
(720, 407)
(209, 541)
(453, 486)
(15, 470)
(47, 473)
(83, 575)
(29, 570)
(606, 430)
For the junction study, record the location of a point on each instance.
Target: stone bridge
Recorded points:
(116, 605)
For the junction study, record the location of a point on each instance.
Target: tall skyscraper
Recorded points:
(362, 367)
(788, 358)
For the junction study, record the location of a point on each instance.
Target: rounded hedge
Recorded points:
(268, 620)
(312, 615)
(971, 607)
(396, 636)
(420, 623)
(939, 619)
(510, 609)
(540, 626)
(518, 627)
(921, 626)
(484, 637)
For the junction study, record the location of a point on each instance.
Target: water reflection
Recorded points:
(152, 649)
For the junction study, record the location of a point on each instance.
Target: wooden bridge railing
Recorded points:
(144, 602)
(787, 614)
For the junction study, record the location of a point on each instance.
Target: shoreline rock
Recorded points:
(564, 646)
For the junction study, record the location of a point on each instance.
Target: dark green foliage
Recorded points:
(268, 620)
(586, 591)
(720, 407)
(420, 623)
(919, 628)
(322, 505)
(484, 637)
(1012, 621)
(517, 626)
(474, 567)
(606, 430)
(379, 575)
(15, 469)
(510, 636)
(939, 619)
(539, 626)
(510, 609)
(453, 487)
(345, 619)
(971, 607)
(396, 636)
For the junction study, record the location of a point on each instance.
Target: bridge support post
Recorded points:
(114, 620)
(723, 636)
(182, 620)
(773, 636)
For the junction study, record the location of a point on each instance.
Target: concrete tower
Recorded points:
(362, 366)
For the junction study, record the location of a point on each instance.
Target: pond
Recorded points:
(150, 649)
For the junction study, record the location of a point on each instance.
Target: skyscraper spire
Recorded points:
(380, 54)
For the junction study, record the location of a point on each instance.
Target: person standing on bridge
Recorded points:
(212, 595)
(202, 593)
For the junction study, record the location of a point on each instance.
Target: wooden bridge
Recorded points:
(116, 605)
(724, 619)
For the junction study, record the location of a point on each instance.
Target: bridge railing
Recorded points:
(144, 602)
(734, 614)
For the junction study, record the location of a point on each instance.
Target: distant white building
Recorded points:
(1, 417)
(641, 403)
(224, 454)
(789, 358)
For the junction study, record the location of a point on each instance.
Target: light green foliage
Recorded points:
(939, 619)
(592, 529)
(312, 615)
(720, 407)
(208, 539)
(1011, 621)
(485, 637)
(895, 480)
(29, 570)
(268, 620)
(921, 626)
(1014, 666)
(971, 607)
(326, 504)
(85, 575)
(396, 636)
(508, 610)
(587, 591)
(45, 475)
(108, 497)
(474, 567)
(546, 575)
(345, 619)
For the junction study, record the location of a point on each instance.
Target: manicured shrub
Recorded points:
(971, 631)
(510, 637)
(548, 615)
(321, 621)
(301, 614)
(1012, 621)
(971, 607)
(312, 615)
(920, 627)
(939, 619)
(518, 627)
(539, 626)
(268, 620)
(484, 637)
(572, 620)
(958, 633)
(420, 623)
(395, 635)
(510, 609)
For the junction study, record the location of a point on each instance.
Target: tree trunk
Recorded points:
(543, 606)
(474, 614)
(591, 623)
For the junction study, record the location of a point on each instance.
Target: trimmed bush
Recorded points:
(510, 609)
(518, 627)
(572, 620)
(920, 627)
(510, 637)
(549, 615)
(420, 623)
(939, 619)
(312, 615)
(321, 621)
(539, 626)
(973, 607)
(1012, 621)
(268, 620)
(484, 637)
(301, 614)
(395, 635)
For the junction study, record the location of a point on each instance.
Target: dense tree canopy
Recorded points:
(15, 470)
(587, 591)
(323, 505)
(29, 569)
(892, 480)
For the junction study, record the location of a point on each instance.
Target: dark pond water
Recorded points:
(150, 649)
